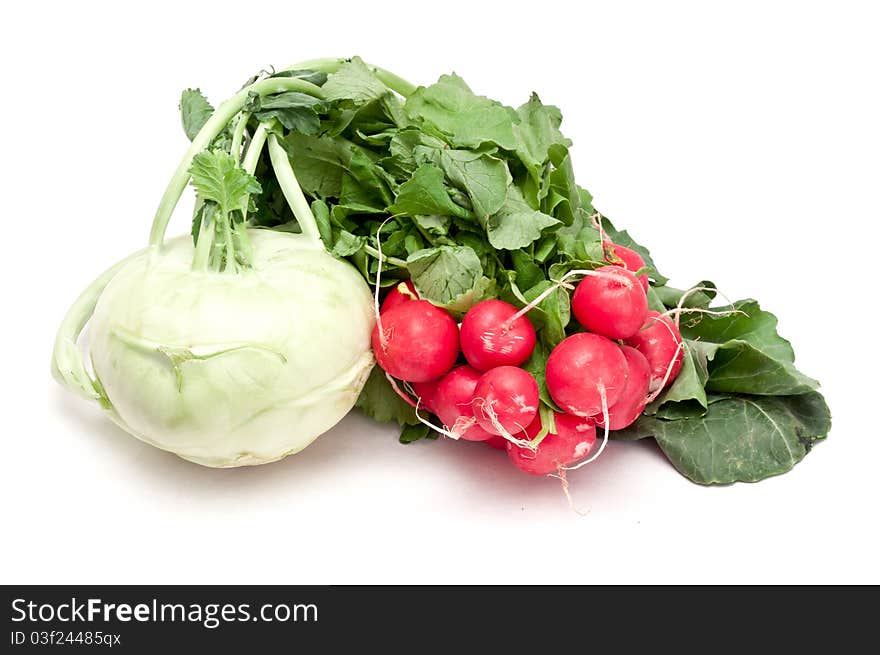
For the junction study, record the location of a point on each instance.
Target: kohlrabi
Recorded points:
(246, 345)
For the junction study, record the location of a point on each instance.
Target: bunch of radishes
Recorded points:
(603, 375)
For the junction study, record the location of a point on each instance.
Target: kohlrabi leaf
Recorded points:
(217, 177)
(195, 110)
(741, 438)
(443, 274)
(315, 77)
(294, 110)
(464, 119)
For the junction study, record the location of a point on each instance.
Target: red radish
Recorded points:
(506, 401)
(426, 391)
(583, 368)
(612, 303)
(490, 339)
(415, 341)
(499, 443)
(574, 439)
(632, 261)
(399, 294)
(660, 342)
(453, 403)
(634, 396)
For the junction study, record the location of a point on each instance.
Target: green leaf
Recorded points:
(315, 77)
(319, 162)
(411, 433)
(379, 401)
(294, 110)
(426, 193)
(528, 274)
(553, 313)
(195, 110)
(536, 364)
(217, 177)
(565, 198)
(580, 240)
(464, 119)
(433, 224)
(516, 225)
(483, 178)
(686, 396)
(670, 296)
(355, 82)
(750, 356)
(483, 289)
(347, 244)
(741, 438)
(536, 133)
(443, 274)
(321, 212)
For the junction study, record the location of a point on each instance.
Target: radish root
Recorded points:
(563, 479)
(399, 391)
(490, 413)
(606, 419)
(383, 338)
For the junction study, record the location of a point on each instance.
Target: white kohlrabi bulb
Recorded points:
(231, 369)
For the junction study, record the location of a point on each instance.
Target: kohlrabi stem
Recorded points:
(332, 64)
(68, 365)
(252, 156)
(238, 135)
(215, 124)
(292, 191)
(203, 244)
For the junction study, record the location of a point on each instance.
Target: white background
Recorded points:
(740, 142)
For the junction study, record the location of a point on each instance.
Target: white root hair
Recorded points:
(606, 419)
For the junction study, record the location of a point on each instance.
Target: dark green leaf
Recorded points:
(536, 133)
(294, 110)
(426, 193)
(379, 401)
(444, 274)
(516, 225)
(355, 82)
(750, 356)
(483, 178)
(216, 176)
(466, 120)
(410, 433)
(347, 244)
(741, 438)
(670, 296)
(536, 364)
(315, 77)
(195, 110)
